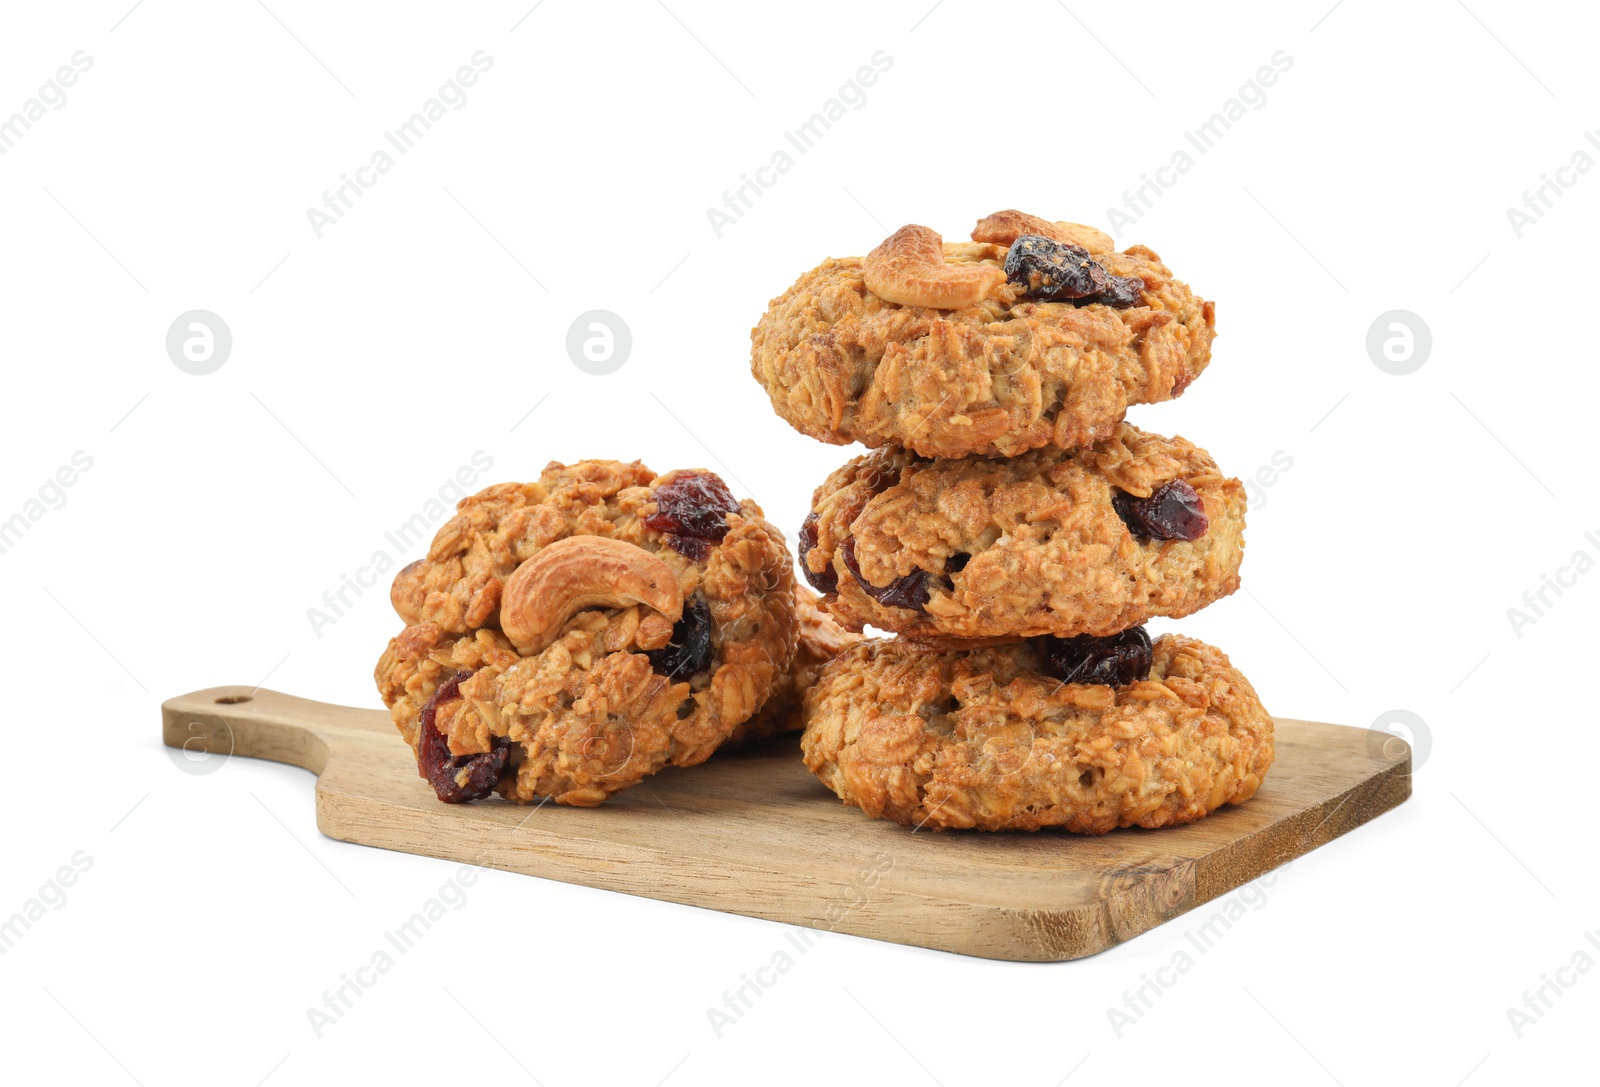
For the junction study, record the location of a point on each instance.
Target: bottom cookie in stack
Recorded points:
(1087, 734)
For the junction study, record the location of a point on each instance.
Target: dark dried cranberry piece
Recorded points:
(691, 548)
(827, 581)
(1052, 271)
(954, 565)
(690, 651)
(1172, 512)
(1112, 662)
(694, 504)
(444, 770)
(910, 591)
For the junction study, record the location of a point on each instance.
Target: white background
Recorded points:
(369, 364)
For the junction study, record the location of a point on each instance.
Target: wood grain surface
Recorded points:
(755, 833)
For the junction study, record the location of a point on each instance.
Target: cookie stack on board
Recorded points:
(1014, 533)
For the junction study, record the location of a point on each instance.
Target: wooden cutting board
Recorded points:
(754, 833)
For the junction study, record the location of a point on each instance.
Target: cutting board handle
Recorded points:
(254, 722)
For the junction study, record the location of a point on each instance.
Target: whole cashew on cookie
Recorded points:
(577, 573)
(909, 269)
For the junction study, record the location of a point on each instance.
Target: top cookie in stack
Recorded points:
(1015, 531)
(1033, 334)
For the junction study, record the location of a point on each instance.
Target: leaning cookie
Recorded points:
(570, 637)
(1084, 734)
(684, 518)
(1034, 334)
(1086, 542)
(820, 640)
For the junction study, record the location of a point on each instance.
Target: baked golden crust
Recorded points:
(981, 739)
(1048, 553)
(819, 640)
(587, 714)
(997, 377)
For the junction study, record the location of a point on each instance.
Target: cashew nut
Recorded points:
(1004, 227)
(582, 572)
(909, 269)
(409, 591)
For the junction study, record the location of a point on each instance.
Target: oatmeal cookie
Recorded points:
(569, 637)
(996, 739)
(1049, 542)
(1034, 334)
(820, 640)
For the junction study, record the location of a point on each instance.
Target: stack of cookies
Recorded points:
(1014, 533)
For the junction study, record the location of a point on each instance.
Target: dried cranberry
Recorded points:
(690, 652)
(827, 581)
(1052, 271)
(1172, 512)
(952, 566)
(1113, 662)
(693, 505)
(444, 770)
(695, 550)
(910, 591)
